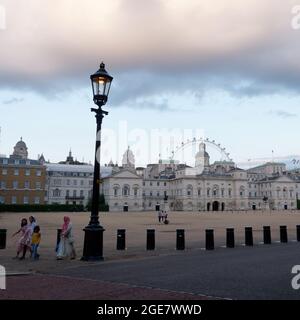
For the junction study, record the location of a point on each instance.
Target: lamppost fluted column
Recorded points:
(96, 179)
(93, 232)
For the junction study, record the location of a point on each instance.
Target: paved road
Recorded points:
(261, 272)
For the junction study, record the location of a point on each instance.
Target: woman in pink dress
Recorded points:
(24, 242)
(66, 244)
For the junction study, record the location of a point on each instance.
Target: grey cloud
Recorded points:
(283, 114)
(13, 101)
(152, 48)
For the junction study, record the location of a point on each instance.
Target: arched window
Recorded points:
(116, 189)
(242, 191)
(56, 193)
(126, 191)
(189, 190)
(135, 190)
(215, 191)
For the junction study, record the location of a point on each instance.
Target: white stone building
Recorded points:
(69, 183)
(123, 191)
(220, 186)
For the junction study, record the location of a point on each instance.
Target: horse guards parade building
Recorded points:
(166, 185)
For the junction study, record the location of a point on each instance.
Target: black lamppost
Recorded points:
(93, 238)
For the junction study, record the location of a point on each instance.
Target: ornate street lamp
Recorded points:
(93, 238)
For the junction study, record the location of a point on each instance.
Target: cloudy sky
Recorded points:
(226, 69)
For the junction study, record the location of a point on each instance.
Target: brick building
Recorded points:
(22, 180)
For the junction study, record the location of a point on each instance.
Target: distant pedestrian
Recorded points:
(66, 244)
(24, 242)
(165, 217)
(35, 242)
(160, 215)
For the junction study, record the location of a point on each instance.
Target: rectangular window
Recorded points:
(91, 182)
(16, 172)
(165, 184)
(81, 193)
(25, 200)
(27, 172)
(158, 184)
(74, 193)
(81, 182)
(75, 182)
(3, 184)
(26, 185)
(15, 184)
(2, 200)
(68, 193)
(13, 199)
(68, 182)
(38, 185)
(4, 172)
(37, 200)
(38, 173)
(5, 161)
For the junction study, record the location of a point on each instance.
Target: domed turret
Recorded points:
(20, 150)
(128, 160)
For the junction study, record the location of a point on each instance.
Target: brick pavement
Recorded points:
(50, 287)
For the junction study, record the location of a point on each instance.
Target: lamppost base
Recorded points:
(93, 243)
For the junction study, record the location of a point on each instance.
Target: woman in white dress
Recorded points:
(66, 245)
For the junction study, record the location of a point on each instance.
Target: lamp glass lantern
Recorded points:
(101, 82)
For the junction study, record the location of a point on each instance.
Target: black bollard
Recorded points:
(210, 243)
(58, 239)
(298, 233)
(283, 234)
(150, 239)
(180, 242)
(248, 236)
(267, 235)
(3, 238)
(230, 238)
(121, 242)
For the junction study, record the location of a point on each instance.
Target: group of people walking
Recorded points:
(30, 238)
(163, 216)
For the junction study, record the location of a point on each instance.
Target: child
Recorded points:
(25, 239)
(35, 241)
